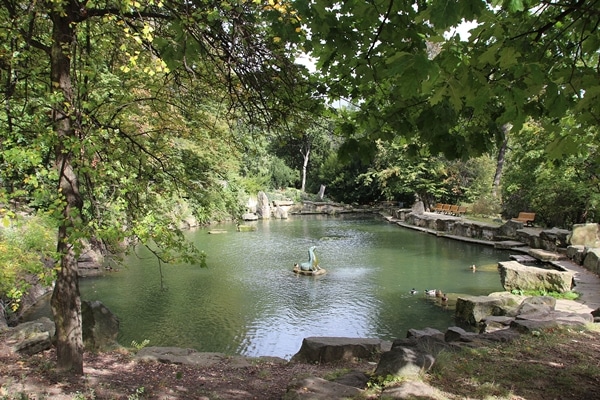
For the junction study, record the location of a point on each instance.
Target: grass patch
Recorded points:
(545, 365)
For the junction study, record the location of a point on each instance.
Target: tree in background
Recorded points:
(562, 191)
(302, 143)
(100, 99)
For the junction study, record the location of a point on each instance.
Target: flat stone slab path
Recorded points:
(587, 284)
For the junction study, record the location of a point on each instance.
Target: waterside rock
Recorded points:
(263, 208)
(516, 276)
(100, 326)
(326, 350)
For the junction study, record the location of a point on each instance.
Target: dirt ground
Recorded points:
(563, 366)
(115, 375)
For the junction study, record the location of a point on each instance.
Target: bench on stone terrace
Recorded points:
(526, 217)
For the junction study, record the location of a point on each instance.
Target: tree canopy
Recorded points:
(400, 64)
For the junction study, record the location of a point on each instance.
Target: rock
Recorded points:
(510, 228)
(418, 208)
(283, 203)
(501, 335)
(456, 334)
(317, 388)
(494, 323)
(357, 379)
(537, 305)
(587, 235)
(32, 337)
(325, 350)
(280, 213)
(263, 209)
(419, 333)
(250, 217)
(411, 390)
(473, 309)
(246, 228)
(100, 326)
(576, 253)
(545, 255)
(592, 260)
(404, 362)
(427, 344)
(515, 276)
(532, 322)
(554, 239)
(178, 355)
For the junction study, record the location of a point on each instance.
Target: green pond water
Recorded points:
(248, 301)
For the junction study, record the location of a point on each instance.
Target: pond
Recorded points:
(248, 301)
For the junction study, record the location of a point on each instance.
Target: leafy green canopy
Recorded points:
(395, 62)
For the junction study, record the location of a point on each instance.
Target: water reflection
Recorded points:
(249, 302)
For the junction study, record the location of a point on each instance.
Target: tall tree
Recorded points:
(115, 149)
(305, 136)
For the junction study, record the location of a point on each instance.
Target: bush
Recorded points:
(486, 206)
(24, 244)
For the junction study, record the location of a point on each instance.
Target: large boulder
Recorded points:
(31, 337)
(516, 276)
(263, 208)
(100, 326)
(324, 350)
(587, 235)
(474, 309)
(418, 208)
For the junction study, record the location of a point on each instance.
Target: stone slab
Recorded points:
(508, 244)
(523, 259)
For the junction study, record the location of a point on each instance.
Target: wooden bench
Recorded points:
(438, 207)
(462, 210)
(453, 209)
(526, 217)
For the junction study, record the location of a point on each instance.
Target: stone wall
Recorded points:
(581, 245)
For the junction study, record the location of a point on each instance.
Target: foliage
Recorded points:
(486, 206)
(561, 191)
(139, 346)
(281, 175)
(340, 177)
(302, 144)
(24, 245)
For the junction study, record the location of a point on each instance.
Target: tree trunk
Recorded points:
(66, 302)
(500, 161)
(304, 167)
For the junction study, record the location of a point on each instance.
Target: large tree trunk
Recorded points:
(66, 302)
(500, 160)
